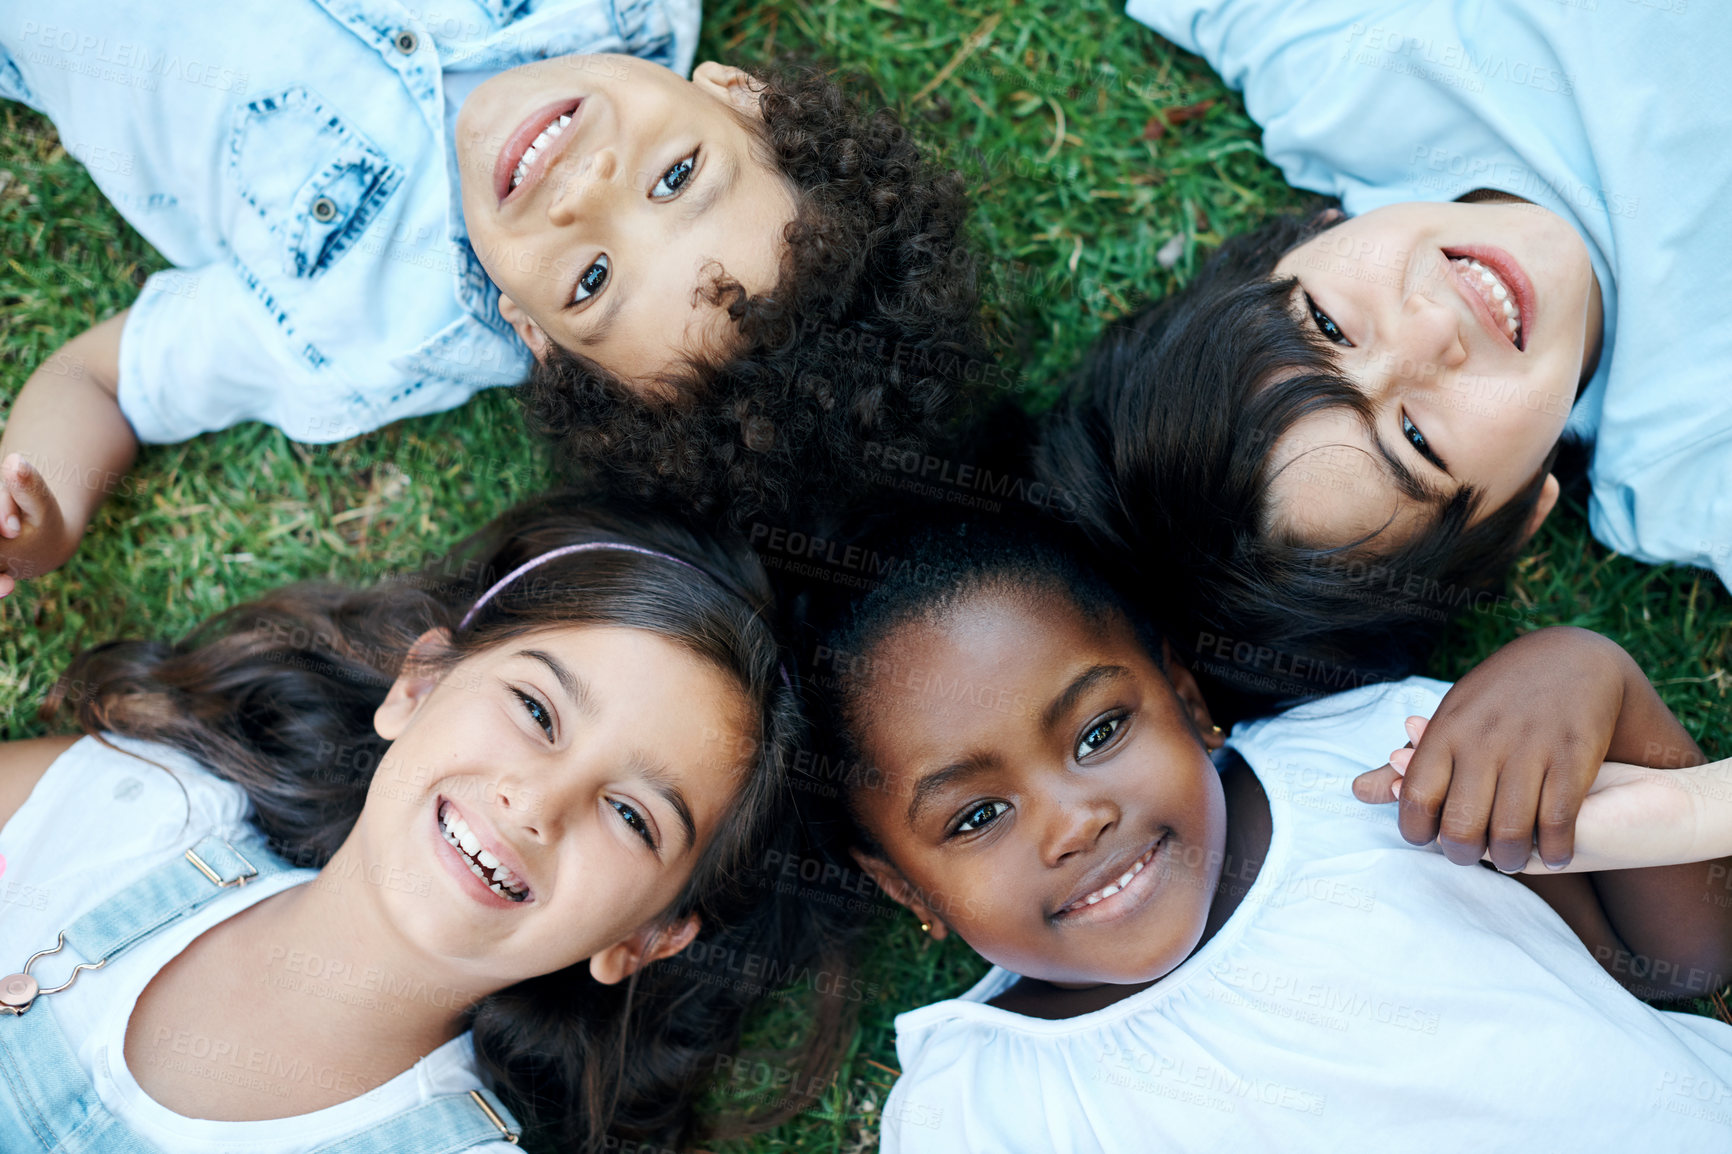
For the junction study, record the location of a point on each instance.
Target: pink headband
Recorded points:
(565, 550)
(562, 551)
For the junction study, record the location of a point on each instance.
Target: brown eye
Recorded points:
(1097, 736)
(635, 820)
(1326, 326)
(981, 816)
(674, 178)
(591, 282)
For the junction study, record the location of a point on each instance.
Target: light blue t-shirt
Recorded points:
(1616, 114)
(294, 160)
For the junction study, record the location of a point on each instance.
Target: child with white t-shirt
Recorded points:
(405, 868)
(1211, 943)
(375, 211)
(1346, 424)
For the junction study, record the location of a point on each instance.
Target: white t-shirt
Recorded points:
(1616, 114)
(95, 823)
(1366, 996)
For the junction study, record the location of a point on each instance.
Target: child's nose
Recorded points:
(1428, 338)
(583, 186)
(1077, 826)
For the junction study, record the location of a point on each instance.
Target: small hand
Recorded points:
(32, 531)
(1511, 751)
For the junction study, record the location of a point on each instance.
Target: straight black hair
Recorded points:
(1165, 442)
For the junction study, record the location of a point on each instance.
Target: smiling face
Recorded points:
(1469, 328)
(1061, 814)
(604, 193)
(582, 770)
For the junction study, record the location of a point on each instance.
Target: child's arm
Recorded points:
(1650, 885)
(1526, 731)
(1638, 818)
(22, 764)
(1512, 750)
(66, 446)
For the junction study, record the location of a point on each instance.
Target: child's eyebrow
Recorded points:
(575, 687)
(1086, 680)
(714, 188)
(609, 314)
(1410, 483)
(934, 784)
(662, 780)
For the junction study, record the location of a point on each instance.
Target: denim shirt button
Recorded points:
(406, 42)
(324, 210)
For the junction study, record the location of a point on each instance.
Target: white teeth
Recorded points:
(1123, 881)
(1495, 293)
(546, 137)
(483, 863)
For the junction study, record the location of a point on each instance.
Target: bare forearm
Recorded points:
(67, 423)
(1679, 917)
(1647, 733)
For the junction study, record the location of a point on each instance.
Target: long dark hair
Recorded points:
(278, 694)
(870, 339)
(1164, 444)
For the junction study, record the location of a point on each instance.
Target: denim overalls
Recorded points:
(47, 1101)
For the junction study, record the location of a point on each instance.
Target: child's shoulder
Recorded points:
(123, 797)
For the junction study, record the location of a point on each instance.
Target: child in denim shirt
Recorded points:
(375, 212)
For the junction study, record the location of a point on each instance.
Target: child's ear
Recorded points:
(415, 682)
(1190, 695)
(1542, 508)
(735, 85)
(528, 331)
(902, 891)
(642, 946)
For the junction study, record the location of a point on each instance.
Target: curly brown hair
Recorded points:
(870, 339)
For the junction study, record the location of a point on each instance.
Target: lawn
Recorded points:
(1103, 165)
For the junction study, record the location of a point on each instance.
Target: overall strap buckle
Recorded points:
(227, 875)
(18, 991)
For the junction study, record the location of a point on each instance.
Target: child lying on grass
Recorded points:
(446, 865)
(373, 217)
(1344, 428)
(1207, 943)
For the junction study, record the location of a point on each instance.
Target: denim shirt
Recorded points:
(295, 161)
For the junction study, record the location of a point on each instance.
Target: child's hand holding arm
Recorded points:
(1516, 744)
(66, 445)
(1512, 760)
(1639, 818)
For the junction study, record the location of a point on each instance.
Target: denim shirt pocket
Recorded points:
(315, 181)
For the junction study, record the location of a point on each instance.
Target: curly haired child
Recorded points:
(1212, 942)
(374, 212)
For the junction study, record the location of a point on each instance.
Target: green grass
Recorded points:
(1058, 113)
